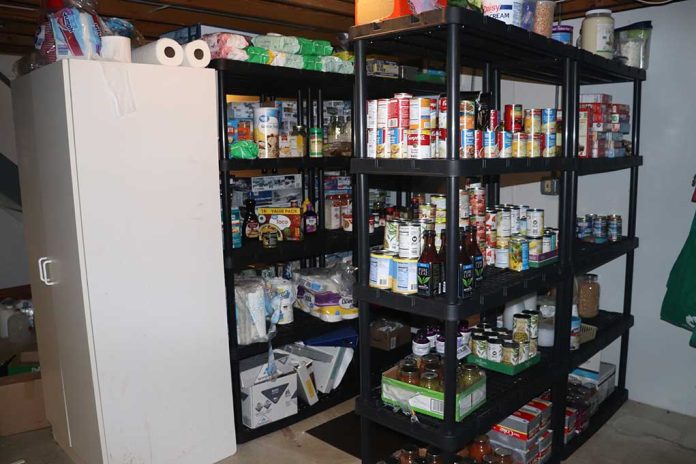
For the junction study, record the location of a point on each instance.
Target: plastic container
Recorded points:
(543, 17)
(597, 33)
(633, 42)
(563, 33)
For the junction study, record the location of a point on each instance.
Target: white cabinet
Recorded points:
(119, 179)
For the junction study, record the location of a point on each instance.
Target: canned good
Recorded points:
(371, 118)
(548, 148)
(532, 121)
(521, 327)
(440, 201)
(514, 220)
(391, 236)
(382, 149)
(511, 353)
(479, 221)
(534, 142)
(502, 257)
(523, 211)
(347, 222)
(419, 113)
(599, 229)
(548, 121)
(433, 112)
(464, 204)
(553, 235)
(409, 240)
(519, 145)
(493, 120)
(494, 350)
(491, 237)
(513, 118)
(535, 316)
(467, 145)
(382, 113)
(398, 142)
(426, 211)
(404, 105)
(535, 245)
(504, 144)
(519, 254)
(478, 143)
(491, 215)
(269, 239)
(582, 228)
(503, 223)
(380, 270)
(490, 144)
(614, 226)
(524, 351)
(371, 224)
(479, 345)
(467, 114)
(535, 222)
(477, 201)
(405, 276)
(547, 242)
(489, 255)
(419, 143)
(533, 347)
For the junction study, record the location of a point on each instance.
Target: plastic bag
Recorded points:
(227, 46)
(123, 28)
(251, 307)
(282, 294)
(327, 293)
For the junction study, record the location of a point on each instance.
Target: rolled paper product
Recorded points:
(511, 308)
(116, 48)
(167, 52)
(530, 301)
(546, 333)
(196, 54)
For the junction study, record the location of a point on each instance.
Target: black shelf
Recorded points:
(513, 50)
(585, 166)
(347, 390)
(322, 243)
(504, 395)
(607, 409)
(453, 168)
(326, 163)
(610, 326)
(304, 326)
(592, 255)
(498, 287)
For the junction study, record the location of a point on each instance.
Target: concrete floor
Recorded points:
(637, 434)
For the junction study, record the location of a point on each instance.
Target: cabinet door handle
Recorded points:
(43, 271)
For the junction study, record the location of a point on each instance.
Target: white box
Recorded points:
(254, 370)
(329, 362)
(592, 364)
(603, 380)
(269, 401)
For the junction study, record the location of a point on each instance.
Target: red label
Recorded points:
(393, 113)
(421, 139)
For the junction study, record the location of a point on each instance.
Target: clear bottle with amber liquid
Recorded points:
(429, 267)
(475, 254)
(466, 268)
(443, 260)
(250, 226)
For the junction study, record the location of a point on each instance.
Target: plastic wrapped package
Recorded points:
(295, 45)
(259, 55)
(251, 309)
(123, 28)
(294, 61)
(282, 294)
(227, 46)
(633, 43)
(327, 293)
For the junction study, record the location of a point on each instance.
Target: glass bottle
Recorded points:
(428, 270)
(408, 455)
(434, 455)
(250, 225)
(298, 140)
(310, 220)
(475, 253)
(588, 296)
(443, 260)
(348, 130)
(466, 268)
(480, 447)
(415, 214)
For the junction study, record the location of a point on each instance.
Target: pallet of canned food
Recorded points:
(415, 127)
(413, 257)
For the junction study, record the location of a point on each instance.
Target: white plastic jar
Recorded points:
(597, 33)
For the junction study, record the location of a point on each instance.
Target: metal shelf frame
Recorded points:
(462, 37)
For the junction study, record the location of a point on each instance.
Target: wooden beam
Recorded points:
(330, 6)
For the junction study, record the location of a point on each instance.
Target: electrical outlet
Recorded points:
(549, 186)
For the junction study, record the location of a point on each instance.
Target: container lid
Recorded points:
(600, 11)
(562, 28)
(635, 26)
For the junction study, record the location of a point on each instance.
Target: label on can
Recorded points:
(409, 240)
(491, 237)
(532, 121)
(477, 201)
(442, 144)
(503, 222)
(440, 202)
(501, 257)
(392, 113)
(519, 254)
(419, 144)
(419, 113)
(380, 271)
(535, 246)
(535, 222)
(467, 115)
(534, 142)
(404, 104)
(405, 278)
(478, 143)
(614, 226)
(391, 236)
(548, 146)
(489, 254)
(546, 243)
(514, 220)
(491, 216)
(548, 121)
(514, 118)
(519, 145)
(426, 211)
(490, 144)
(467, 145)
(504, 144)
(493, 120)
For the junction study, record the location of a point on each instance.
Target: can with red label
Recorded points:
(398, 147)
(490, 144)
(478, 143)
(393, 113)
(490, 218)
(489, 256)
(434, 143)
(548, 146)
(419, 113)
(371, 114)
(491, 236)
(383, 148)
(442, 113)
(467, 115)
(504, 144)
(442, 143)
(493, 120)
(532, 121)
(419, 144)
(534, 142)
(404, 100)
(382, 113)
(548, 121)
(480, 222)
(466, 144)
(519, 145)
(433, 112)
(477, 201)
(514, 118)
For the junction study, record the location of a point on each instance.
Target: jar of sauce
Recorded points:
(503, 455)
(480, 447)
(597, 33)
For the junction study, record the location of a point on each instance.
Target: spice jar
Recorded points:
(597, 33)
(588, 296)
(316, 142)
(480, 447)
(408, 455)
(543, 18)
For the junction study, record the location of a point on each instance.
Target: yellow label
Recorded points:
(309, 386)
(278, 211)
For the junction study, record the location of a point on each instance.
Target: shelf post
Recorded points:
(632, 213)
(451, 269)
(361, 225)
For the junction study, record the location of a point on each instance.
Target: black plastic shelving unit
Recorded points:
(461, 37)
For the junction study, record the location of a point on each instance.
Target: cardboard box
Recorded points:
(21, 404)
(519, 430)
(603, 381)
(388, 335)
(595, 98)
(544, 408)
(269, 401)
(329, 363)
(520, 456)
(286, 222)
(367, 11)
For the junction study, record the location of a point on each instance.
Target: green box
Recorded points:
(503, 368)
(429, 402)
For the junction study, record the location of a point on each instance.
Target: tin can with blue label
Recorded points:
(504, 144)
(599, 229)
(490, 144)
(614, 226)
(549, 146)
(548, 121)
(467, 144)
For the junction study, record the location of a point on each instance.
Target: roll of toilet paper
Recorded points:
(196, 54)
(116, 48)
(530, 302)
(546, 333)
(511, 308)
(163, 51)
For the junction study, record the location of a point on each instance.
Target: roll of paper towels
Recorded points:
(116, 48)
(196, 54)
(163, 51)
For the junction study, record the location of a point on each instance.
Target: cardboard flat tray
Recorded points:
(503, 368)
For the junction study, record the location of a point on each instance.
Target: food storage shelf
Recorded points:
(585, 166)
(607, 409)
(517, 52)
(304, 326)
(321, 243)
(591, 255)
(504, 395)
(610, 326)
(326, 163)
(452, 168)
(498, 287)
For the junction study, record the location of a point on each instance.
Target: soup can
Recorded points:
(535, 245)
(504, 144)
(548, 121)
(503, 222)
(419, 113)
(489, 255)
(478, 143)
(548, 146)
(535, 222)
(493, 120)
(491, 237)
(514, 220)
(599, 229)
(477, 201)
(532, 121)
(441, 135)
(502, 257)
(405, 279)
(467, 144)
(467, 114)
(419, 144)
(491, 215)
(519, 145)
(380, 270)
(582, 227)
(614, 226)
(433, 112)
(409, 240)
(391, 236)
(426, 211)
(382, 113)
(534, 143)
(404, 105)
(519, 253)
(382, 149)
(514, 118)
(490, 144)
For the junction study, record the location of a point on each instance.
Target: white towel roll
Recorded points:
(196, 54)
(116, 48)
(167, 52)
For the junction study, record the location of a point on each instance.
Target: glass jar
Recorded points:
(503, 456)
(543, 17)
(409, 374)
(408, 455)
(316, 142)
(588, 296)
(468, 374)
(480, 447)
(597, 33)
(431, 381)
